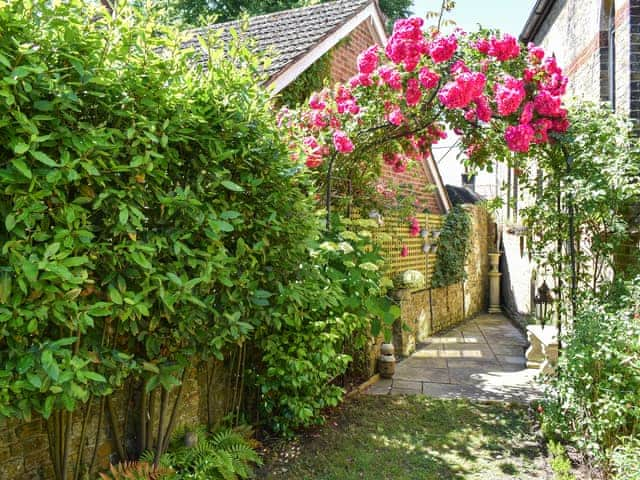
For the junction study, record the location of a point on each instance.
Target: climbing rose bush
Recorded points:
(487, 88)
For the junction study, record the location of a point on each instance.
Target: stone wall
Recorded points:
(24, 446)
(429, 311)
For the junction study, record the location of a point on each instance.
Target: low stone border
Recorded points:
(362, 387)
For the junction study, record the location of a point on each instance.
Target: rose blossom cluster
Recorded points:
(414, 227)
(407, 44)
(425, 76)
(503, 49)
(396, 161)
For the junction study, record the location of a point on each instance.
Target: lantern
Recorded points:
(542, 302)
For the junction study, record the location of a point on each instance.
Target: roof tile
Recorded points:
(288, 34)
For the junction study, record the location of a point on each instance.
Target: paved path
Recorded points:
(481, 359)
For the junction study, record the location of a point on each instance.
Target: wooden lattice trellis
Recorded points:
(397, 236)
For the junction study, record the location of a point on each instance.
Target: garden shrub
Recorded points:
(594, 403)
(625, 460)
(337, 302)
(560, 463)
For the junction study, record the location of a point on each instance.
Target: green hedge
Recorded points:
(147, 214)
(152, 220)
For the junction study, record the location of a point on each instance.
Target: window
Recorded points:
(612, 55)
(608, 52)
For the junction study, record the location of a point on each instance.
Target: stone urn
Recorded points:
(387, 360)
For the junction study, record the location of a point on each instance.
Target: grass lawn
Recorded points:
(414, 437)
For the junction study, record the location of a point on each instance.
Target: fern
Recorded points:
(225, 455)
(140, 470)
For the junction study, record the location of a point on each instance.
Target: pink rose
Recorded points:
(428, 79)
(509, 95)
(342, 142)
(413, 93)
(368, 60)
(443, 48)
(505, 48)
(316, 103)
(391, 77)
(395, 116)
(519, 137)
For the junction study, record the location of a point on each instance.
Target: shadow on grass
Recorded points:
(413, 437)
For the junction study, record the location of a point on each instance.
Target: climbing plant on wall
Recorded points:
(453, 248)
(309, 81)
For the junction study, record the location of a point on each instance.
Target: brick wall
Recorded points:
(344, 55)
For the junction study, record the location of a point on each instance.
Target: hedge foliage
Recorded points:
(151, 220)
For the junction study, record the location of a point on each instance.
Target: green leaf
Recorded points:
(20, 147)
(25, 363)
(234, 187)
(150, 367)
(22, 167)
(152, 383)
(47, 409)
(51, 249)
(32, 326)
(141, 260)
(114, 295)
(10, 222)
(34, 380)
(262, 294)
(168, 382)
(94, 376)
(49, 365)
(44, 158)
(63, 342)
(123, 216)
(223, 226)
(30, 271)
(230, 215)
(43, 105)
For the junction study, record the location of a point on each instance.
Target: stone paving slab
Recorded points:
(482, 359)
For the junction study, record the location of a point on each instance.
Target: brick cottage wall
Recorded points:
(345, 54)
(577, 33)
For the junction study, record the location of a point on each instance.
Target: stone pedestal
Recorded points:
(494, 283)
(494, 292)
(542, 353)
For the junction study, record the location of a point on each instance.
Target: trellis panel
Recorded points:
(399, 231)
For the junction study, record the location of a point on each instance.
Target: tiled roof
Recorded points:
(289, 34)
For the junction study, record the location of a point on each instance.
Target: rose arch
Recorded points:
(497, 95)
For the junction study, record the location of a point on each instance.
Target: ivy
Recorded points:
(453, 248)
(309, 81)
